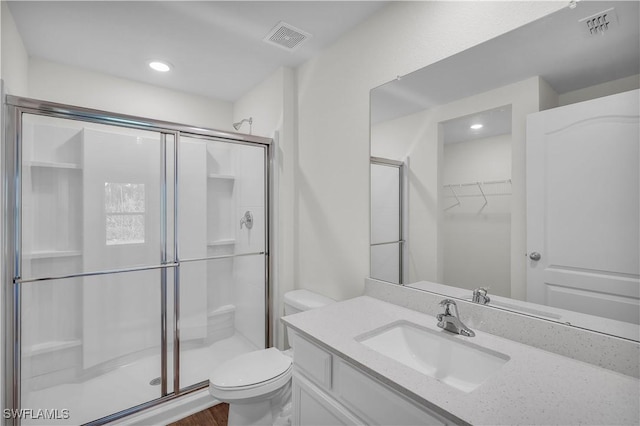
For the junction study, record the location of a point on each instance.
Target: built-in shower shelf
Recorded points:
(49, 254)
(50, 346)
(53, 165)
(221, 242)
(219, 176)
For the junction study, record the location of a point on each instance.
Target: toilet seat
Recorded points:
(251, 375)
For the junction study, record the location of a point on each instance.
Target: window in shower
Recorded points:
(125, 212)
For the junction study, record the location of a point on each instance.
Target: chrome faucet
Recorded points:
(480, 296)
(451, 322)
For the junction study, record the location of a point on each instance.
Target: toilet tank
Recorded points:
(303, 300)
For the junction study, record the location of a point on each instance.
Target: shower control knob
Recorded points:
(535, 256)
(247, 220)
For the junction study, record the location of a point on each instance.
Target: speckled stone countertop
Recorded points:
(533, 387)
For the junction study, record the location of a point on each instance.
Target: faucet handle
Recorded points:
(480, 295)
(447, 303)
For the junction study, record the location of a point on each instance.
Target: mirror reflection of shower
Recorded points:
(239, 124)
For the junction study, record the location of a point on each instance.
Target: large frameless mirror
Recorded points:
(522, 161)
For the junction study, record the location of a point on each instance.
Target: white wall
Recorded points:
(477, 236)
(600, 90)
(14, 56)
(333, 122)
(70, 85)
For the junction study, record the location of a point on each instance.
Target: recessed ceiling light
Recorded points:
(160, 66)
(477, 126)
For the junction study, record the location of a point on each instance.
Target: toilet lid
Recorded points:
(250, 369)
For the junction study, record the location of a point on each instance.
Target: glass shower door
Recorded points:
(222, 250)
(135, 261)
(92, 263)
(387, 242)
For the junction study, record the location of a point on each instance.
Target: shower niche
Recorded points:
(52, 199)
(221, 179)
(51, 245)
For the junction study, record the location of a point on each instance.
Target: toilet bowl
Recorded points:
(257, 385)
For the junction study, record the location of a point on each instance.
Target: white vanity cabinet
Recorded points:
(328, 390)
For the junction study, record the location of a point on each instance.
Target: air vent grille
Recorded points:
(287, 36)
(600, 22)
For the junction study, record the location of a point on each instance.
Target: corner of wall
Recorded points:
(600, 90)
(548, 97)
(15, 59)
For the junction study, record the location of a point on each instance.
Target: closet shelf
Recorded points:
(53, 165)
(476, 189)
(479, 189)
(221, 242)
(219, 176)
(49, 254)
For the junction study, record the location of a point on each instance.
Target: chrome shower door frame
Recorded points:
(402, 242)
(12, 279)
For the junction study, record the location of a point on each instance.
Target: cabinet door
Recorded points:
(314, 407)
(377, 403)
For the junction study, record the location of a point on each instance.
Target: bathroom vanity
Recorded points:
(328, 389)
(352, 366)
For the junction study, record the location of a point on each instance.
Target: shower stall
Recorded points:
(136, 259)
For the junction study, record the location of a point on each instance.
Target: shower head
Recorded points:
(239, 123)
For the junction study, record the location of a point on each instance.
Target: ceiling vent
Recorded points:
(599, 23)
(287, 36)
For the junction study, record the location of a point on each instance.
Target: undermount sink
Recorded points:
(438, 354)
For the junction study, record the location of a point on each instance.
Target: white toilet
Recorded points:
(257, 385)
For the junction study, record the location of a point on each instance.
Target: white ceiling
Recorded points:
(556, 47)
(216, 47)
(494, 122)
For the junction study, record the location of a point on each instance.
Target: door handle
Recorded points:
(535, 256)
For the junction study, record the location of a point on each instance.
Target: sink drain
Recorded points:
(156, 381)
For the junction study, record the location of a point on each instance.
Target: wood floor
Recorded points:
(213, 416)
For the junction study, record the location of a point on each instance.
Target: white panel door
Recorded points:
(583, 207)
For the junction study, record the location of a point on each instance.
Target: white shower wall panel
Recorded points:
(249, 292)
(120, 313)
(250, 175)
(192, 220)
(192, 191)
(219, 281)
